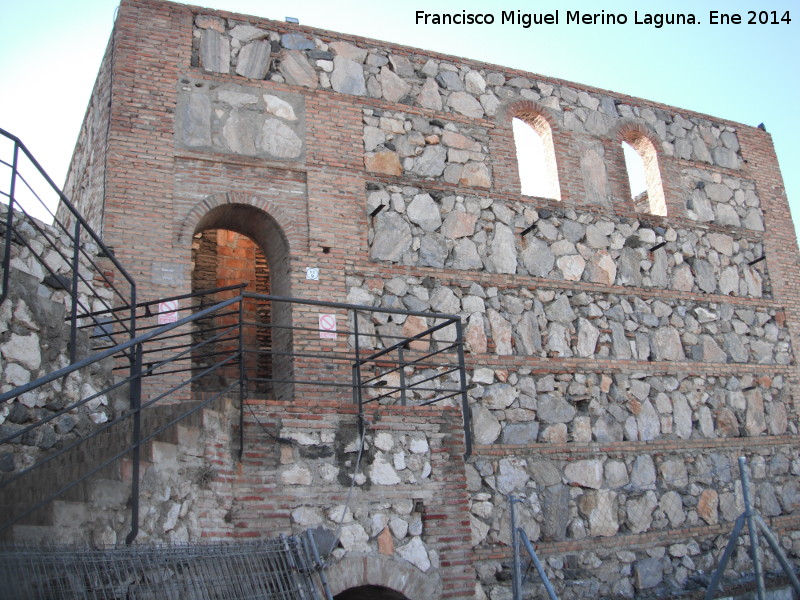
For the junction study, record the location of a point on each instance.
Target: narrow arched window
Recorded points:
(644, 176)
(536, 157)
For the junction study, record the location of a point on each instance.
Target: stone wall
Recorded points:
(85, 185)
(423, 228)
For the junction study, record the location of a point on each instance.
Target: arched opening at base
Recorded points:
(369, 592)
(240, 244)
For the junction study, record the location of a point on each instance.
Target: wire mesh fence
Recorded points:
(281, 568)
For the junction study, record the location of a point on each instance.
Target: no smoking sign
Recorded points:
(327, 327)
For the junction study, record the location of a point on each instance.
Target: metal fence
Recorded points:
(285, 568)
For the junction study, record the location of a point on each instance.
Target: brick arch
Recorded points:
(642, 138)
(189, 225)
(542, 121)
(534, 113)
(361, 570)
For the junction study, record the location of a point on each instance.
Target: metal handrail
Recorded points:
(214, 338)
(78, 231)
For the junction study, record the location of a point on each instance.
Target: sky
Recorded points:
(50, 51)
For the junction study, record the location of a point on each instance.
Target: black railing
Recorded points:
(70, 255)
(309, 351)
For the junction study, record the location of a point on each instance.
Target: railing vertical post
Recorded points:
(463, 382)
(136, 410)
(9, 224)
(73, 330)
(755, 551)
(516, 570)
(242, 376)
(357, 375)
(402, 370)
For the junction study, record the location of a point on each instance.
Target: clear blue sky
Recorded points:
(50, 51)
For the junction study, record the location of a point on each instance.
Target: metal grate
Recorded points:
(268, 569)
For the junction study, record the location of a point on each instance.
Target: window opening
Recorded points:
(536, 159)
(644, 176)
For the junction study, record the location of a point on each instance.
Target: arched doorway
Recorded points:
(232, 244)
(369, 592)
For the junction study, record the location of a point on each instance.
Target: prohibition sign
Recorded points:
(327, 327)
(167, 312)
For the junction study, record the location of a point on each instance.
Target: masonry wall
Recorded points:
(619, 360)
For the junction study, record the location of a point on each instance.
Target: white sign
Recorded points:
(167, 312)
(312, 273)
(327, 327)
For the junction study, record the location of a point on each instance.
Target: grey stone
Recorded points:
(558, 340)
(485, 427)
(560, 310)
(253, 60)
(666, 344)
(499, 396)
(735, 348)
(432, 251)
(681, 417)
(647, 573)
(280, 108)
(555, 512)
(520, 433)
(607, 429)
(392, 237)
(465, 255)
(296, 69)
(348, 50)
(537, 258)
(629, 268)
(432, 161)
(429, 96)
(465, 104)
(512, 475)
(648, 422)
(23, 349)
(571, 266)
(401, 65)
(394, 88)
(529, 334)
(423, 211)
(215, 51)
(450, 80)
(595, 177)
(725, 157)
(501, 333)
(279, 140)
(600, 509)
(248, 33)
(585, 473)
(643, 473)
(382, 473)
(704, 276)
(195, 121)
(503, 250)
(726, 215)
(348, 77)
(639, 512)
(554, 409)
(296, 41)
(415, 553)
(444, 300)
(588, 335)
